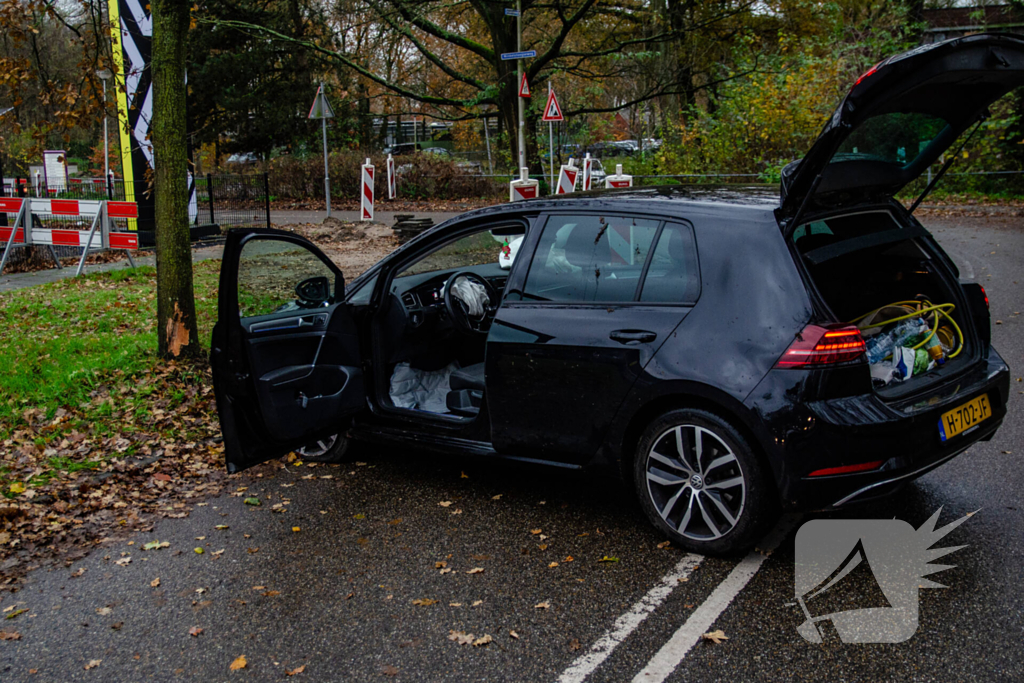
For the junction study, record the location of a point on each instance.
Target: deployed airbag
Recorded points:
(421, 389)
(471, 293)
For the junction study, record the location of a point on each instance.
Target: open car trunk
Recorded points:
(865, 261)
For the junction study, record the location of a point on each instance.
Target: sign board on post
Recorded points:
(620, 179)
(525, 54)
(55, 168)
(524, 87)
(523, 188)
(511, 12)
(552, 110)
(366, 195)
(392, 180)
(322, 110)
(567, 178)
(587, 165)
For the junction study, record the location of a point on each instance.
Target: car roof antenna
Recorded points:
(949, 162)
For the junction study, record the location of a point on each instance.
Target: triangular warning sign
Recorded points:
(524, 87)
(321, 108)
(552, 112)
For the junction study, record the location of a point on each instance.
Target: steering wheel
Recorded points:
(461, 311)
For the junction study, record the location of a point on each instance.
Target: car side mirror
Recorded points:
(313, 291)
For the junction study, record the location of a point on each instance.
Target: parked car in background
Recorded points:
(707, 343)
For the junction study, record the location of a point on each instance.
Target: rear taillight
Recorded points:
(817, 346)
(984, 294)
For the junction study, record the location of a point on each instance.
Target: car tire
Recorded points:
(715, 498)
(331, 449)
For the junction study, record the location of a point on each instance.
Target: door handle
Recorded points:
(633, 336)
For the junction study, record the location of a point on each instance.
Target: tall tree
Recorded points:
(452, 51)
(177, 333)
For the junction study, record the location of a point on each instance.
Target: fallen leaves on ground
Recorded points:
(198, 551)
(124, 561)
(389, 670)
(482, 640)
(445, 503)
(221, 527)
(476, 570)
(10, 635)
(425, 602)
(239, 663)
(89, 465)
(15, 613)
(104, 611)
(542, 605)
(93, 663)
(297, 670)
(716, 637)
(514, 634)
(78, 572)
(608, 559)
(552, 565)
(252, 500)
(155, 582)
(195, 631)
(535, 531)
(461, 637)
(664, 544)
(574, 644)
(156, 545)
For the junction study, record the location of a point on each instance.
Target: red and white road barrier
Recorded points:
(620, 179)
(588, 164)
(567, 178)
(523, 188)
(392, 180)
(99, 235)
(366, 193)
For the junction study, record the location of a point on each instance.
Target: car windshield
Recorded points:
(895, 138)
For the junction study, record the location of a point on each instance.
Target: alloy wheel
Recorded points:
(318, 447)
(695, 482)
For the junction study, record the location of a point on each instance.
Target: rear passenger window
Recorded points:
(673, 276)
(590, 258)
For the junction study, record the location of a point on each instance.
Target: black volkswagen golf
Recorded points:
(731, 352)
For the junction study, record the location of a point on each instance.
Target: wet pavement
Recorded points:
(343, 581)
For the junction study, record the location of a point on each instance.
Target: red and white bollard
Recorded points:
(366, 197)
(587, 165)
(620, 179)
(523, 188)
(392, 180)
(567, 178)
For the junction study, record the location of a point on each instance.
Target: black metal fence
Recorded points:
(233, 200)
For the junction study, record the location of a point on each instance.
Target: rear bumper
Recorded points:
(860, 429)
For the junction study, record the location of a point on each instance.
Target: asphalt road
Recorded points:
(330, 583)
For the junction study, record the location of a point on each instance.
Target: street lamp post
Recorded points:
(104, 74)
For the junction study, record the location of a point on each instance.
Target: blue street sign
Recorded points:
(506, 56)
(511, 12)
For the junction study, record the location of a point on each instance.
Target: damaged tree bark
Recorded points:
(177, 333)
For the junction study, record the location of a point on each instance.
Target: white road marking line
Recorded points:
(701, 619)
(627, 623)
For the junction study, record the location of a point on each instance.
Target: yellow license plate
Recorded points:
(963, 417)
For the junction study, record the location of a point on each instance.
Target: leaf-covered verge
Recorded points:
(97, 434)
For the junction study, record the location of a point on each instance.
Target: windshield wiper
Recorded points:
(945, 166)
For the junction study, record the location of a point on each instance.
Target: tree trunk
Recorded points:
(177, 334)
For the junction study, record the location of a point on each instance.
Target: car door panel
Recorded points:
(557, 371)
(289, 376)
(556, 377)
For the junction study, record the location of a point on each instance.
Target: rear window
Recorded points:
(613, 259)
(810, 236)
(895, 138)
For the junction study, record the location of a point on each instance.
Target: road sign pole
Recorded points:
(551, 147)
(519, 79)
(327, 172)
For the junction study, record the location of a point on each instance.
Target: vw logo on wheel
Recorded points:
(696, 481)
